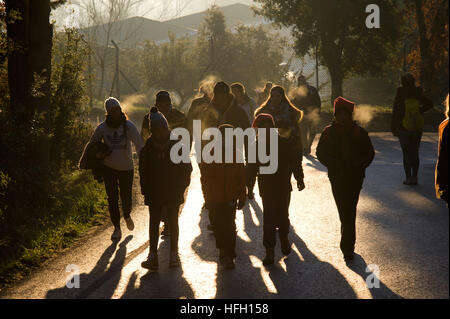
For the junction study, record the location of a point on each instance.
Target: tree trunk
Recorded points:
(17, 63)
(426, 67)
(39, 62)
(332, 57)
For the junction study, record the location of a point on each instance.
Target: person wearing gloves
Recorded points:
(163, 184)
(346, 150)
(275, 189)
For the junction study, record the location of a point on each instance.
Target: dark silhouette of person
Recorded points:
(407, 123)
(346, 150)
(307, 99)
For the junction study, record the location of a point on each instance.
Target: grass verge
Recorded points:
(78, 203)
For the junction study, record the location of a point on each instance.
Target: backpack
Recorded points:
(413, 119)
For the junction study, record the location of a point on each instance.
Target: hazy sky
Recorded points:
(67, 15)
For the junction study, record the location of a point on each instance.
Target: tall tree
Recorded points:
(428, 34)
(29, 65)
(337, 29)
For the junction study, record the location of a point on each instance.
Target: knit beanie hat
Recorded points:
(163, 96)
(157, 119)
(263, 117)
(111, 103)
(341, 103)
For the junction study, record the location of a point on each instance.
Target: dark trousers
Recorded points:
(250, 176)
(410, 143)
(222, 217)
(308, 132)
(114, 181)
(346, 195)
(156, 214)
(276, 215)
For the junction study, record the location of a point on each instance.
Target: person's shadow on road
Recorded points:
(166, 283)
(378, 289)
(305, 276)
(100, 274)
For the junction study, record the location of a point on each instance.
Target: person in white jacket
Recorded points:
(117, 132)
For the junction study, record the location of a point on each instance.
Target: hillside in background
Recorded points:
(234, 14)
(130, 32)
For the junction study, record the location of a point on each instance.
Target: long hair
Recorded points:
(285, 100)
(113, 124)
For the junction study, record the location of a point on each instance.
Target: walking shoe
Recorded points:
(285, 246)
(174, 259)
(407, 181)
(270, 257)
(228, 263)
(117, 234)
(165, 231)
(130, 224)
(151, 263)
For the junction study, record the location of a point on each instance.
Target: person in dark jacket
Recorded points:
(308, 100)
(223, 109)
(346, 150)
(223, 186)
(275, 189)
(163, 184)
(441, 173)
(407, 123)
(174, 117)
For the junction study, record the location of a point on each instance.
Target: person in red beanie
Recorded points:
(346, 150)
(275, 189)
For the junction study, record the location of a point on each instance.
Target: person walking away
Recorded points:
(175, 118)
(346, 150)
(249, 106)
(407, 123)
(223, 109)
(264, 95)
(275, 190)
(117, 132)
(223, 186)
(308, 100)
(441, 174)
(163, 184)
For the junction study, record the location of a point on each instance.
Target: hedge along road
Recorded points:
(402, 235)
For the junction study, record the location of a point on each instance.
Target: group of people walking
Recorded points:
(344, 148)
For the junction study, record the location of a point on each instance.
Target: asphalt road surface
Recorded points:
(402, 244)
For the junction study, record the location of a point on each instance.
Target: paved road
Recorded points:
(402, 230)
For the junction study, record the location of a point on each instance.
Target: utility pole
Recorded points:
(116, 75)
